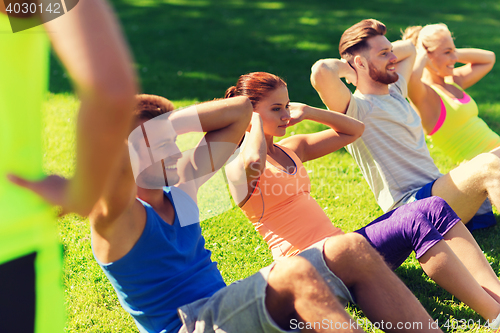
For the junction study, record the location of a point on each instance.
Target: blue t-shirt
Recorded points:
(167, 268)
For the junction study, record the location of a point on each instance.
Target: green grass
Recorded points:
(191, 51)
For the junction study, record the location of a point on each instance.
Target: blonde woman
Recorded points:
(437, 91)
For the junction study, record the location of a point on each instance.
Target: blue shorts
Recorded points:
(416, 226)
(484, 217)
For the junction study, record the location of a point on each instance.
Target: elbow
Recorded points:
(244, 104)
(246, 108)
(240, 112)
(317, 70)
(490, 61)
(359, 131)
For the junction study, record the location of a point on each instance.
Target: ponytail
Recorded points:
(411, 33)
(230, 92)
(255, 86)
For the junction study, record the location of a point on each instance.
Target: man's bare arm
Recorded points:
(326, 77)
(405, 51)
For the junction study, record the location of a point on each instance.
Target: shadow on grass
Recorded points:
(439, 303)
(489, 242)
(196, 49)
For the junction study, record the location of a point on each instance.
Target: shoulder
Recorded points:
(360, 105)
(356, 101)
(112, 239)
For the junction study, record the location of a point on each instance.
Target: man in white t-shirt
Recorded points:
(392, 152)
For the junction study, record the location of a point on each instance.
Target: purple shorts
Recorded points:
(484, 217)
(416, 226)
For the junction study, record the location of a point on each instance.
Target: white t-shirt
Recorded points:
(392, 152)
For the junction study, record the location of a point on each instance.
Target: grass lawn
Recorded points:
(191, 51)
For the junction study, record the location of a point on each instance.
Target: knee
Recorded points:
(286, 280)
(352, 258)
(429, 208)
(488, 164)
(350, 247)
(430, 203)
(292, 270)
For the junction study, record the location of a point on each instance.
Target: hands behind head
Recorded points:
(350, 74)
(297, 113)
(422, 51)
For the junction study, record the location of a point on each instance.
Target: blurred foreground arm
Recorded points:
(89, 43)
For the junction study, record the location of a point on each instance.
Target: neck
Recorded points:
(160, 203)
(431, 77)
(153, 197)
(270, 144)
(367, 86)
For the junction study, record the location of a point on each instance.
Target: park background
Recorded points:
(191, 51)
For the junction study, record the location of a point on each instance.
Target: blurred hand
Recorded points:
(53, 189)
(297, 113)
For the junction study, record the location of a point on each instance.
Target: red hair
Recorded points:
(255, 86)
(151, 106)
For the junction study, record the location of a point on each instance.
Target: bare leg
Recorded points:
(465, 247)
(467, 186)
(378, 291)
(444, 267)
(296, 291)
